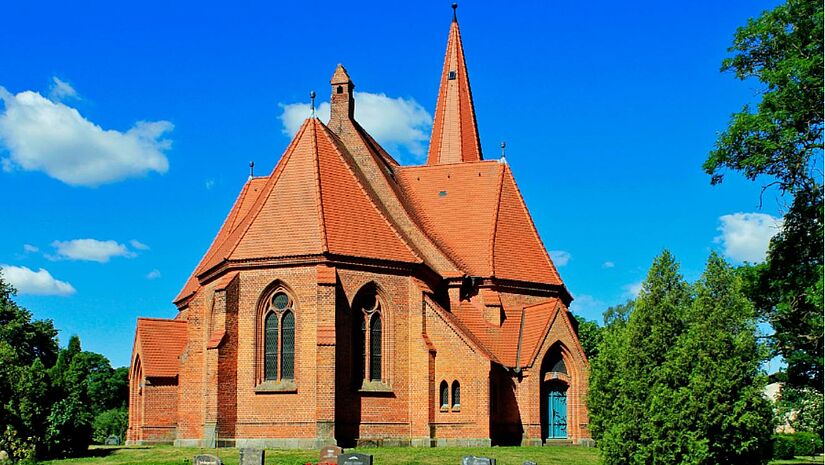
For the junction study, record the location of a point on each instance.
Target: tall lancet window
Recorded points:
(369, 319)
(278, 338)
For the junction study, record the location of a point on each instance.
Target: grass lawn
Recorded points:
(550, 455)
(166, 455)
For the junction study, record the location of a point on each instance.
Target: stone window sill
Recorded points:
(283, 386)
(375, 387)
(456, 408)
(445, 409)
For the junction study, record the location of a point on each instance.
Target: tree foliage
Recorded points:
(782, 140)
(678, 379)
(49, 398)
(782, 49)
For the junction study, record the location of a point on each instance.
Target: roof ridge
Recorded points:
(532, 224)
(460, 328)
(340, 149)
(165, 320)
(318, 194)
(253, 212)
(495, 223)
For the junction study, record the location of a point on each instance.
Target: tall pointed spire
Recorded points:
(455, 133)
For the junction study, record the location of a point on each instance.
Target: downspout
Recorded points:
(517, 369)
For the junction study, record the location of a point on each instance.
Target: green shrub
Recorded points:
(807, 444)
(783, 446)
(110, 423)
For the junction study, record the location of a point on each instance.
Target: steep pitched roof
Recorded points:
(312, 203)
(159, 343)
(475, 212)
(455, 133)
(515, 342)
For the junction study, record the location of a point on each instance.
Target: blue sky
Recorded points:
(126, 131)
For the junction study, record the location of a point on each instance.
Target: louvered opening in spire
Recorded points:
(455, 134)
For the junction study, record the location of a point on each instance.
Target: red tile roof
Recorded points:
(475, 212)
(455, 134)
(159, 343)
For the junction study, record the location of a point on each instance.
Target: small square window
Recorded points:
(451, 76)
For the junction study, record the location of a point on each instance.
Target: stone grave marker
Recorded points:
(473, 460)
(112, 441)
(329, 455)
(206, 459)
(250, 456)
(529, 462)
(355, 459)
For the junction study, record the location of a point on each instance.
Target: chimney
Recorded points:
(342, 102)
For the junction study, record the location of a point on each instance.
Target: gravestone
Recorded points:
(329, 455)
(206, 459)
(249, 456)
(528, 462)
(473, 460)
(355, 459)
(112, 441)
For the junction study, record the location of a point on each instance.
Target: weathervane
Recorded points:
(251, 169)
(455, 5)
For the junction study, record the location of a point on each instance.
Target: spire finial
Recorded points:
(312, 103)
(503, 147)
(251, 169)
(455, 6)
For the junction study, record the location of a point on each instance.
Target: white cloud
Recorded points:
(560, 257)
(40, 282)
(154, 274)
(394, 122)
(745, 236)
(91, 250)
(137, 245)
(49, 136)
(633, 289)
(28, 248)
(587, 305)
(608, 265)
(61, 90)
(209, 184)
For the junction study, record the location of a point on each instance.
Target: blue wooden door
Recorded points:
(557, 413)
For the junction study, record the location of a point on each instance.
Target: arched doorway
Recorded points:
(555, 383)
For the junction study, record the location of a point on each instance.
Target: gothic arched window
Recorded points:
(368, 316)
(445, 392)
(278, 338)
(456, 395)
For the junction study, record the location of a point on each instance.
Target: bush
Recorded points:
(807, 444)
(110, 423)
(783, 446)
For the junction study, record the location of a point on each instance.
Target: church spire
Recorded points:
(455, 134)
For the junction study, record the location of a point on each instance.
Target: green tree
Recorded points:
(782, 143)
(590, 334)
(631, 364)
(112, 422)
(677, 376)
(782, 49)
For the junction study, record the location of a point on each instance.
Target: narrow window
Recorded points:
(375, 347)
(288, 346)
(339, 90)
(271, 346)
(444, 393)
(456, 394)
(362, 342)
(451, 76)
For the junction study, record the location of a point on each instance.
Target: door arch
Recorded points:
(555, 388)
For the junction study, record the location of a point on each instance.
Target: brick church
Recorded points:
(349, 299)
